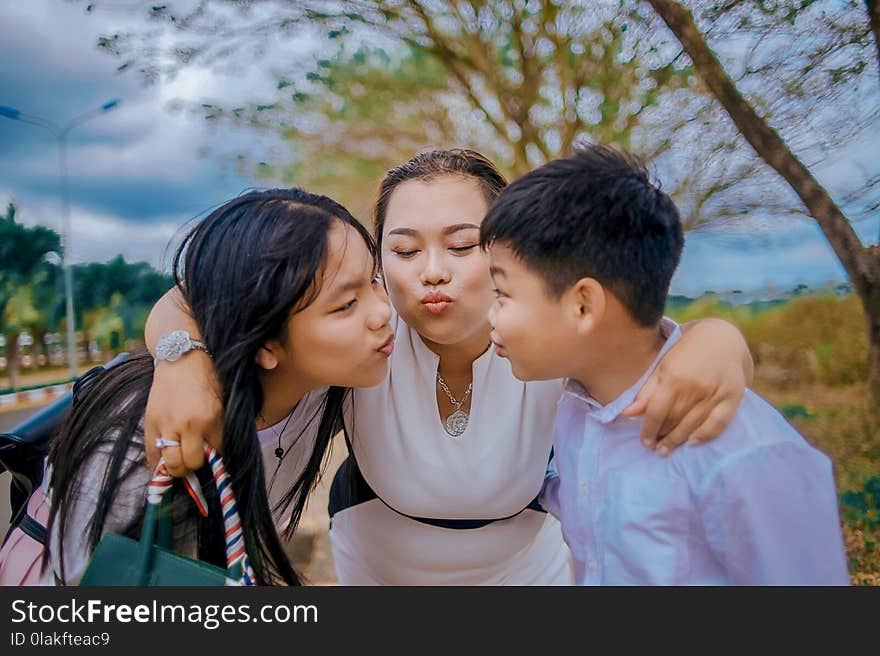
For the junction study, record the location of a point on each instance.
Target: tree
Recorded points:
(524, 79)
(521, 81)
(22, 249)
(105, 324)
(874, 17)
(18, 315)
(862, 263)
(22, 268)
(115, 297)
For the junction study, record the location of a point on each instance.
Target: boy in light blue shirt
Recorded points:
(582, 253)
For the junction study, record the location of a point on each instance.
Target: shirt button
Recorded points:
(585, 488)
(591, 564)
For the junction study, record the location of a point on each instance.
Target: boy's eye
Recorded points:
(347, 306)
(499, 293)
(462, 249)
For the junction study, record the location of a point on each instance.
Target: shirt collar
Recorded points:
(608, 413)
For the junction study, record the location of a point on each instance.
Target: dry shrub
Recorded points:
(863, 556)
(809, 339)
(821, 339)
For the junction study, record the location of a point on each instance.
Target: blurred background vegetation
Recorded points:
(113, 300)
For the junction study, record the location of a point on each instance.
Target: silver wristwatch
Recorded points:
(173, 345)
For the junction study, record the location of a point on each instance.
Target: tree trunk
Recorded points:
(862, 264)
(13, 362)
(40, 347)
(88, 345)
(873, 316)
(874, 19)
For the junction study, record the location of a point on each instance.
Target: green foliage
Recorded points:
(22, 249)
(362, 111)
(115, 297)
(861, 511)
(20, 312)
(862, 507)
(105, 323)
(112, 299)
(22, 265)
(97, 282)
(795, 411)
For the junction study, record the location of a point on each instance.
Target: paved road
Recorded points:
(13, 417)
(7, 421)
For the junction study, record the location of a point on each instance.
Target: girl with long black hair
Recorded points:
(282, 286)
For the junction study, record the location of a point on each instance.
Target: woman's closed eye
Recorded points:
(499, 293)
(462, 249)
(403, 253)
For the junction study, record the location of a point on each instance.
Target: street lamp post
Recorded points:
(60, 133)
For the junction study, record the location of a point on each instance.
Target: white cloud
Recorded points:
(55, 33)
(99, 237)
(141, 137)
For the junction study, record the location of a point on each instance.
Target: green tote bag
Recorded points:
(150, 561)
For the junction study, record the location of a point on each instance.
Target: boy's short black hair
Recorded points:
(593, 215)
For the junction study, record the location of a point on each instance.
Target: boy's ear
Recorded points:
(267, 357)
(587, 303)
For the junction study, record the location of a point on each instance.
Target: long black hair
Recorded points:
(243, 271)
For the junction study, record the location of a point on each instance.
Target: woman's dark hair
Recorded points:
(434, 164)
(243, 271)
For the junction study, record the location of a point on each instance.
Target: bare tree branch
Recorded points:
(862, 264)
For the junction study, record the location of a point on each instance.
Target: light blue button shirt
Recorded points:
(756, 506)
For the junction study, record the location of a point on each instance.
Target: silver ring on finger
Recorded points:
(162, 442)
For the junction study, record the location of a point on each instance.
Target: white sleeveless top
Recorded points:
(494, 470)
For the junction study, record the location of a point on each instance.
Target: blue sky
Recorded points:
(138, 173)
(779, 258)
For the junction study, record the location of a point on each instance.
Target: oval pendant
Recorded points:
(456, 423)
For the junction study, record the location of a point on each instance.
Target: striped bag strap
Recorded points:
(237, 563)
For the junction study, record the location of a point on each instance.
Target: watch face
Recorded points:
(173, 345)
